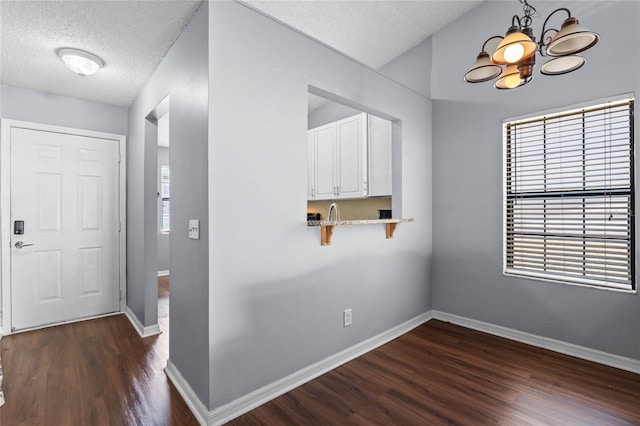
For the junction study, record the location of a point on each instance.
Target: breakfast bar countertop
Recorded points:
(355, 222)
(327, 226)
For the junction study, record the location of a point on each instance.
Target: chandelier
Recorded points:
(517, 50)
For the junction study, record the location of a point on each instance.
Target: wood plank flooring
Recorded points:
(100, 372)
(441, 373)
(97, 372)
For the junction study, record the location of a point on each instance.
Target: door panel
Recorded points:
(90, 197)
(351, 168)
(65, 188)
(311, 165)
(48, 276)
(90, 270)
(325, 159)
(48, 193)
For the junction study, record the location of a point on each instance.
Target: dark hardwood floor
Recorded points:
(97, 372)
(100, 372)
(441, 373)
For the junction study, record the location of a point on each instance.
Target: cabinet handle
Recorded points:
(337, 190)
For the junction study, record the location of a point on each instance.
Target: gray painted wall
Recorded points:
(411, 69)
(183, 76)
(56, 110)
(276, 295)
(467, 172)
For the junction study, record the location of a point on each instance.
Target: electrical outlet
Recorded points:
(347, 317)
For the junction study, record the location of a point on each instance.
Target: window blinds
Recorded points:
(569, 196)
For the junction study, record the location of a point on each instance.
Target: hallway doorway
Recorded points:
(163, 306)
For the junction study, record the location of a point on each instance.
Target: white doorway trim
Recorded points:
(5, 208)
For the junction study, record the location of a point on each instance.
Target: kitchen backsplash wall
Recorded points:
(351, 209)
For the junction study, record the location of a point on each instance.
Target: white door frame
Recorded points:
(5, 208)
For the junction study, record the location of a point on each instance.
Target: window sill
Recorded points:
(584, 285)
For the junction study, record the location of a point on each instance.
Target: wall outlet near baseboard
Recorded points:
(347, 317)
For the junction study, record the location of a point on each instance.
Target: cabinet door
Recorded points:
(351, 172)
(325, 138)
(379, 157)
(311, 165)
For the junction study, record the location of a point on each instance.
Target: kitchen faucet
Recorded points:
(336, 210)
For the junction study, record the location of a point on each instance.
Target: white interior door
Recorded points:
(65, 265)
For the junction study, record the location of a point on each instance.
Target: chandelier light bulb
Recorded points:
(514, 53)
(509, 79)
(512, 81)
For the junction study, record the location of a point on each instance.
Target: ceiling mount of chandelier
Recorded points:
(517, 50)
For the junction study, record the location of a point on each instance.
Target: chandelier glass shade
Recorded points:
(509, 79)
(571, 39)
(514, 47)
(482, 70)
(562, 65)
(517, 50)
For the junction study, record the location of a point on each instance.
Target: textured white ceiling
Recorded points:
(131, 37)
(373, 32)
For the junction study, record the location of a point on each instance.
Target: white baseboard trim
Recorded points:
(143, 331)
(163, 273)
(254, 399)
(617, 361)
(198, 409)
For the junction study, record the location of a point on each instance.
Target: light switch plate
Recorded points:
(194, 229)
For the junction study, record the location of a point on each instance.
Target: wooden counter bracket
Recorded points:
(326, 232)
(391, 228)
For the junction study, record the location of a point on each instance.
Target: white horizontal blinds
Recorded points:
(569, 196)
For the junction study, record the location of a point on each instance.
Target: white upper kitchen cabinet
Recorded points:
(325, 141)
(311, 165)
(351, 157)
(379, 136)
(340, 159)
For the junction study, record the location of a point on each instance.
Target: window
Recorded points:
(568, 196)
(164, 193)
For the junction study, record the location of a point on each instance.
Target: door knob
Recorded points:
(20, 244)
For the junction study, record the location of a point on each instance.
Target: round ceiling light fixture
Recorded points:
(81, 62)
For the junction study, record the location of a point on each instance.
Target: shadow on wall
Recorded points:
(289, 325)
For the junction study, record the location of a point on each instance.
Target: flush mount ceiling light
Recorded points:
(517, 50)
(81, 62)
